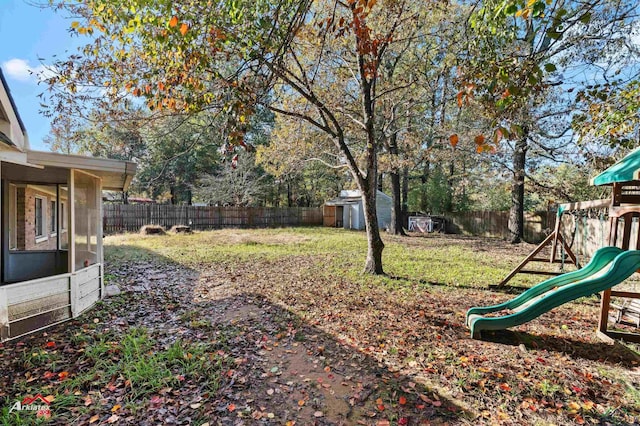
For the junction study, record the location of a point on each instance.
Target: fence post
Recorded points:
(4, 315)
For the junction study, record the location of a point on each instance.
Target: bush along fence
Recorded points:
(132, 217)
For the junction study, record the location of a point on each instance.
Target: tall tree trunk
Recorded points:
(448, 204)
(395, 227)
(373, 264)
(516, 214)
(405, 196)
(424, 178)
(368, 185)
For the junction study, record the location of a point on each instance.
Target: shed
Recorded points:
(51, 217)
(347, 210)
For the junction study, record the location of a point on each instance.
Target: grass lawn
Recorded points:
(280, 327)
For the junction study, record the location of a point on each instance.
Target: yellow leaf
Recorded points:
(573, 406)
(75, 24)
(115, 408)
(184, 28)
(173, 22)
(51, 398)
(531, 3)
(588, 405)
(94, 419)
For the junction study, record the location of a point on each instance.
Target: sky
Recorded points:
(28, 35)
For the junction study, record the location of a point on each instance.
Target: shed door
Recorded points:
(329, 216)
(339, 214)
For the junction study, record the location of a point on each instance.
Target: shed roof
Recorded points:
(625, 170)
(352, 196)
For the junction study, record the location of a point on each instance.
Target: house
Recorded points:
(51, 259)
(347, 211)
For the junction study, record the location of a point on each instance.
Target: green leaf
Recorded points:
(549, 67)
(511, 9)
(538, 8)
(554, 35)
(517, 130)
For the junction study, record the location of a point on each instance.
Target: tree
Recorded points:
(304, 163)
(610, 113)
(190, 56)
(519, 53)
(241, 185)
(178, 151)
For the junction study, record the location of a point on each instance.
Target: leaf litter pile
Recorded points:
(279, 327)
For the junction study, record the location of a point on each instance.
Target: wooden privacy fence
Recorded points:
(585, 233)
(537, 225)
(131, 217)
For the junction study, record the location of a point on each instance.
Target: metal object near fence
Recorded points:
(427, 224)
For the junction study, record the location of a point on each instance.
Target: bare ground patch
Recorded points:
(295, 342)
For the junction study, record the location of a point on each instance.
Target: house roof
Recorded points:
(13, 104)
(625, 170)
(5, 139)
(116, 175)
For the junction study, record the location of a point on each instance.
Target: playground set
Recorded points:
(609, 266)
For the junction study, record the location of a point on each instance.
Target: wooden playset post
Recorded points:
(605, 301)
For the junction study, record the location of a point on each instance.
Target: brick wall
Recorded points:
(21, 219)
(26, 217)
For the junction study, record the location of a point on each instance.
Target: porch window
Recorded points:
(53, 218)
(86, 204)
(63, 215)
(39, 218)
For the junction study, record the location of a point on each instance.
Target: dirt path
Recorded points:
(292, 345)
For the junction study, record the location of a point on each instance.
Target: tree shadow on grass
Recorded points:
(612, 354)
(275, 365)
(515, 290)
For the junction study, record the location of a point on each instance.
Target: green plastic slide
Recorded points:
(608, 266)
